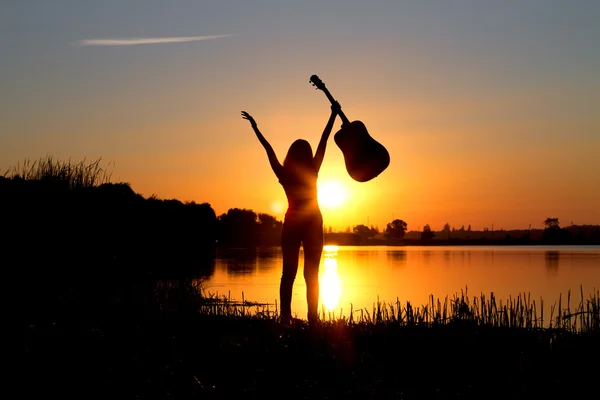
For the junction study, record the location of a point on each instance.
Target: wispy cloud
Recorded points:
(155, 40)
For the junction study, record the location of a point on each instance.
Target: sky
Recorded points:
(490, 110)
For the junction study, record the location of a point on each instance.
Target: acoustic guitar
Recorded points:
(365, 158)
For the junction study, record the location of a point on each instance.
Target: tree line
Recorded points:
(396, 232)
(111, 221)
(69, 212)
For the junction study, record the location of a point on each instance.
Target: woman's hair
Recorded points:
(299, 158)
(299, 155)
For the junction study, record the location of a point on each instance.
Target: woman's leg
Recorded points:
(313, 248)
(290, 246)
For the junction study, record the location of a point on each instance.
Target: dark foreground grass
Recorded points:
(178, 343)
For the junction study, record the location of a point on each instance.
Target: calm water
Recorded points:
(359, 275)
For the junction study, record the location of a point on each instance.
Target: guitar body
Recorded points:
(365, 158)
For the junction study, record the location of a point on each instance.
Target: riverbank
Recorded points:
(173, 342)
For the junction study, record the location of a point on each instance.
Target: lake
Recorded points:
(360, 275)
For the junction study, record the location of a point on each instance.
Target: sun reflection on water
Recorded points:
(330, 285)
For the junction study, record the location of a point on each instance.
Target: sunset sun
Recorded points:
(331, 194)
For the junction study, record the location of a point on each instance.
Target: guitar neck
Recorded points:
(332, 100)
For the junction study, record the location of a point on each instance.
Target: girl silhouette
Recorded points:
(303, 221)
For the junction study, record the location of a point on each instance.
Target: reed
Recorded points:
(67, 173)
(520, 312)
(192, 295)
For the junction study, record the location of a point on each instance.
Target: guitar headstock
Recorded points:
(317, 82)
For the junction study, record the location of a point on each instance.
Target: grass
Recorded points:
(174, 340)
(520, 312)
(73, 175)
(461, 347)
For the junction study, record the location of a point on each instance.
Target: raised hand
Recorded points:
(247, 116)
(335, 108)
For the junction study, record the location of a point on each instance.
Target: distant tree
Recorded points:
(427, 233)
(469, 228)
(364, 231)
(554, 233)
(552, 223)
(348, 230)
(446, 229)
(203, 221)
(239, 227)
(269, 229)
(268, 221)
(396, 229)
(462, 229)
